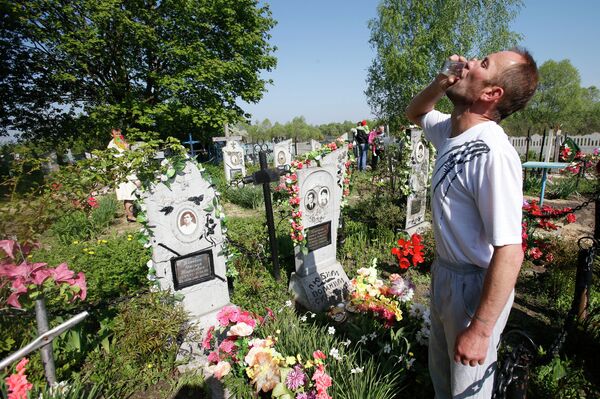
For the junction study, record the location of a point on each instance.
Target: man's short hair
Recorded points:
(519, 82)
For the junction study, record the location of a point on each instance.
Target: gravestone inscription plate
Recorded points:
(318, 236)
(192, 269)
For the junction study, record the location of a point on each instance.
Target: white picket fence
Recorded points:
(586, 143)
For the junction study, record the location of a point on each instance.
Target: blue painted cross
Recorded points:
(191, 143)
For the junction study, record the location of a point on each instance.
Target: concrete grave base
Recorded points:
(319, 290)
(194, 356)
(419, 228)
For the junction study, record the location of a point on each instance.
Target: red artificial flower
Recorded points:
(92, 202)
(571, 218)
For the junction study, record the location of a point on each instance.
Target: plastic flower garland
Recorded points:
(384, 299)
(404, 170)
(535, 247)
(257, 359)
(409, 252)
(289, 189)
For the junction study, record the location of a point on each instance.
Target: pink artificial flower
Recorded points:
(596, 151)
(80, 282)
(319, 355)
(213, 357)
(245, 317)
(227, 314)
(208, 338)
(17, 383)
(549, 257)
(62, 274)
(8, 246)
(322, 382)
(227, 346)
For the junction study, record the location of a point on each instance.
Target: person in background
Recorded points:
(376, 145)
(125, 191)
(362, 139)
(476, 201)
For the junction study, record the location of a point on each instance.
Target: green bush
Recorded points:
(143, 347)
(113, 267)
(78, 226)
(249, 197)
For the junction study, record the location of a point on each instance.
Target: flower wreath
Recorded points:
(288, 189)
(405, 168)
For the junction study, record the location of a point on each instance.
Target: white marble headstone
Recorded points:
(319, 280)
(187, 242)
(314, 144)
(282, 154)
(419, 179)
(233, 160)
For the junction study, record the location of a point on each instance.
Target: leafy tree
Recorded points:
(76, 68)
(412, 39)
(559, 103)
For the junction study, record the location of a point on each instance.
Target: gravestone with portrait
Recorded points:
(314, 144)
(419, 178)
(319, 280)
(233, 160)
(282, 154)
(187, 243)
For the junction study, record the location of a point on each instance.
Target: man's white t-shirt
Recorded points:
(476, 190)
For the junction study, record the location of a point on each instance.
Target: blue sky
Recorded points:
(324, 53)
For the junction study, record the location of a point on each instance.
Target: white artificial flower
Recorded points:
(346, 343)
(334, 353)
(303, 318)
(373, 335)
(331, 330)
(387, 348)
(288, 303)
(357, 370)
(312, 315)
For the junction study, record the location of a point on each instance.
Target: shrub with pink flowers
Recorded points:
(537, 247)
(19, 278)
(288, 191)
(235, 350)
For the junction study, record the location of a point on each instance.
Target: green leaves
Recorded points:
(76, 69)
(412, 39)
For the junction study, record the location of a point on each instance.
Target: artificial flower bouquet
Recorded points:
(383, 298)
(234, 349)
